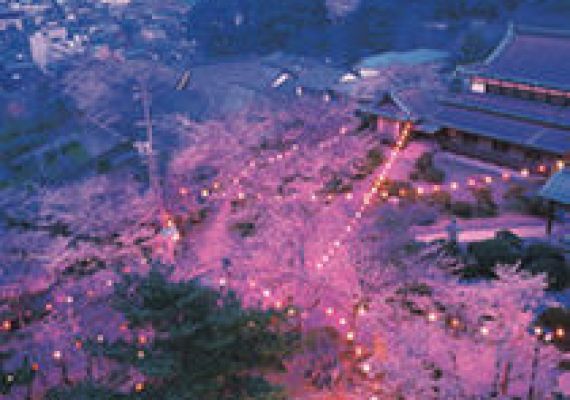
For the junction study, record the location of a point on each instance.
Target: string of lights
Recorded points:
(334, 315)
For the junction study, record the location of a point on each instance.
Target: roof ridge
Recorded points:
(532, 30)
(507, 39)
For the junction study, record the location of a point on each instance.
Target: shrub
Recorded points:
(244, 228)
(425, 169)
(367, 165)
(462, 209)
(487, 254)
(545, 258)
(509, 237)
(336, 184)
(518, 198)
(485, 204)
(441, 199)
(535, 205)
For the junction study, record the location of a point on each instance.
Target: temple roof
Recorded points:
(506, 129)
(557, 188)
(533, 56)
(519, 109)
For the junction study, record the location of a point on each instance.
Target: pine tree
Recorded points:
(198, 343)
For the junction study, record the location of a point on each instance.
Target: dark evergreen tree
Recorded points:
(204, 344)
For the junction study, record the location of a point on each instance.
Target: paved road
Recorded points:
(471, 235)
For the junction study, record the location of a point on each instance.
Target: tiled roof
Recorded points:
(509, 130)
(557, 188)
(386, 109)
(532, 56)
(531, 111)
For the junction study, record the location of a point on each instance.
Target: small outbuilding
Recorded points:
(557, 192)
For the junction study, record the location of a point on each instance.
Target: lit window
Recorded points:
(478, 87)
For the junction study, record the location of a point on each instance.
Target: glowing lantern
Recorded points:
(78, 344)
(139, 387)
(329, 311)
(454, 185)
(140, 354)
(432, 317)
(183, 191)
(542, 169)
(7, 325)
(142, 339)
(266, 293)
(223, 282)
(365, 367)
(57, 355)
(525, 172)
(471, 182)
(350, 336)
(559, 333)
(100, 338)
(560, 164)
(35, 367)
(506, 176)
(484, 330)
(548, 337)
(205, 192)
(342, 321)
(538, 331)
(488, 180)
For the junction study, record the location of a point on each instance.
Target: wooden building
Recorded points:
(513, 108)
